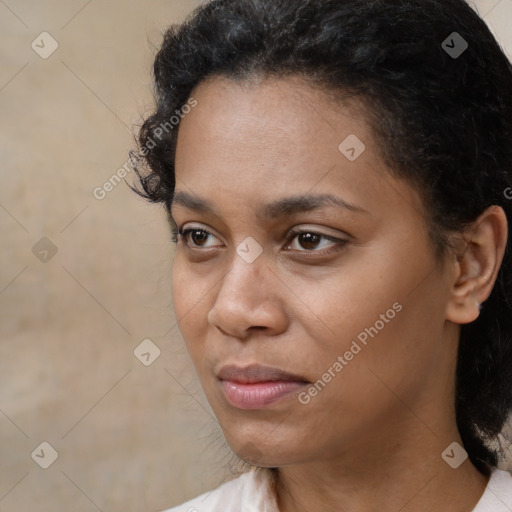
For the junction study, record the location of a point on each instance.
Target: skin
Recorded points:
(372, 438)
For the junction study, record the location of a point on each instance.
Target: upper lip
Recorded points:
(256, 373)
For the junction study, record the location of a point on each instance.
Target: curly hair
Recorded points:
(442, 121)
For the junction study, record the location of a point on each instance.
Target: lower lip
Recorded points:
(258, 394)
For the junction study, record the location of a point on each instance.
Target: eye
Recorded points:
(197, 235)
(310, 240)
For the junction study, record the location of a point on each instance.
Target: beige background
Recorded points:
(129, 437)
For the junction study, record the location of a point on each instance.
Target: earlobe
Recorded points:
(461, 310)
(476, 268)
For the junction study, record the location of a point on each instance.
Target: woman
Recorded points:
(339, 189)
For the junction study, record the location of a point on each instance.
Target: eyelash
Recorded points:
(339, 243)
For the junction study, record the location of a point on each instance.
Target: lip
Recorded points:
(256, 373)
(256, 386)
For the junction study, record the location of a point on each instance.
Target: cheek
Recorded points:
(385, 315)
(336, 308)
(189, 300)
(390, 345)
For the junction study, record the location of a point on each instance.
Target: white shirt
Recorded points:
(252, 492)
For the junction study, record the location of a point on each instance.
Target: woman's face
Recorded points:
(355, 305)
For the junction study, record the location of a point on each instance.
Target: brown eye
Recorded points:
(309, 241)
(199, 237)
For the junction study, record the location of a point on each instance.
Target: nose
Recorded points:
(250, 298)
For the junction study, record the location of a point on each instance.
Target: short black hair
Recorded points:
(438, 88)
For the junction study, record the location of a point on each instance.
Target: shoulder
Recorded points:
(497, 496)
(249, 492)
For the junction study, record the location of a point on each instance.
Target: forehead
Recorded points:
(277, 101)
(254, 142)
(263, 127)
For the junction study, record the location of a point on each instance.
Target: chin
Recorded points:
(262, 453)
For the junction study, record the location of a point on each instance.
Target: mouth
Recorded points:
(257, 386)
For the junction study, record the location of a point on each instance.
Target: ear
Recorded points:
(478, 261)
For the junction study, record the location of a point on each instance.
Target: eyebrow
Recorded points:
(284, 207)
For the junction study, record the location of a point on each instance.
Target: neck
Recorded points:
(408, 475)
